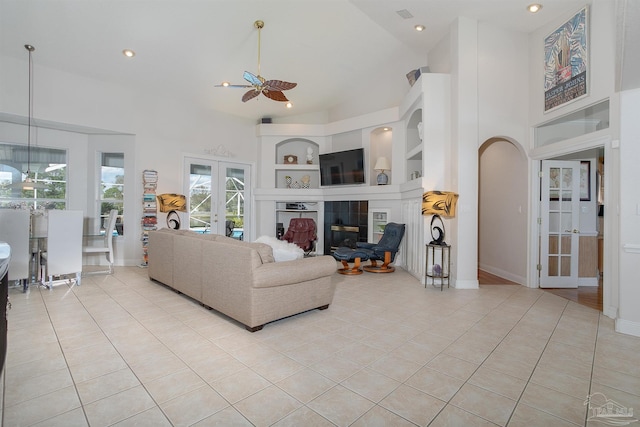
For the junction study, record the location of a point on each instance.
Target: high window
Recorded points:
(48, 173)
(112, 188)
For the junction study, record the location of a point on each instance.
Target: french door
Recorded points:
(560, 224)
(219, 197)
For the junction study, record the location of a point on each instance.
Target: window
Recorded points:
(112, 188)
(47, 169)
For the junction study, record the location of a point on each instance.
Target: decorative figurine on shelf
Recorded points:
(306, 181)
(309, 155)
(420, 131)
(287, 180)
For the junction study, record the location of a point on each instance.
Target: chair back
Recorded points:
(14, 230)
(110, 227)
(229, 225)
(64, 242)
(393, 234)
(302, 232)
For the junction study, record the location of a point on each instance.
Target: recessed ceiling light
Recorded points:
(128, 53)
(535, 7)
(419, 27)
(289, 105)
(385, 129)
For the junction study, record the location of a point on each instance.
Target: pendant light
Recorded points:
(28, 183)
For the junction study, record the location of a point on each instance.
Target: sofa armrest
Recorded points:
(160, 250)
(290, 272)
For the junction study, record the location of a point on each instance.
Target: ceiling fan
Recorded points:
(272, 89)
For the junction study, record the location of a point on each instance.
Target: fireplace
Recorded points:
(340, 233)
(344, 220)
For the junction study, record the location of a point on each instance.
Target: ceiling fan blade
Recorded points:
(250, 95)
(253, 79)
(279, 85)
(276, 95)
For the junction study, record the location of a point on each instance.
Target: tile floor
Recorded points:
(121, 350)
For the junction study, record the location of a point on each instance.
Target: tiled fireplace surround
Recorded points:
(348, 213)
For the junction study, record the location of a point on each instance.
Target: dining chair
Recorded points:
(14, 230)
(107, 243)
(64, 244)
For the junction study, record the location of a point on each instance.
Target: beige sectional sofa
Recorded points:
(239, 279)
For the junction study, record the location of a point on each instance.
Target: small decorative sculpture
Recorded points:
(309, 155)
(287, 180)
(437, 270)
(306, 180)
(420, 131)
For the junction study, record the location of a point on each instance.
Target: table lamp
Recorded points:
(382, 164)
(172, 203)
(439, 204)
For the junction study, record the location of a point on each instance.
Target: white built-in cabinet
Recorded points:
(378, 219)
(414, 147)
(412, 247)
(417, 144)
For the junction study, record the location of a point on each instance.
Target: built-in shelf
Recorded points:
(415, 153)
(304, 167)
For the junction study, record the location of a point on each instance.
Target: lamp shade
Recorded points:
(172, 202)
(382, 164)
(441, 203)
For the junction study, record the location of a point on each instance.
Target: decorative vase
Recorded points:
(306, 181)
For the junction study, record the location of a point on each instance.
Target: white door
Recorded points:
(560, 224)
(218, 196)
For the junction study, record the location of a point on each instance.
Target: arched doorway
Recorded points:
(503, 206)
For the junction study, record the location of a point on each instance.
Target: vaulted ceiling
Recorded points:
(349, 57)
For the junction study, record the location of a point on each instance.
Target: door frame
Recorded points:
(217, 163)
(611, 241)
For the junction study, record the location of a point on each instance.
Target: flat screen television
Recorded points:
(342, 167)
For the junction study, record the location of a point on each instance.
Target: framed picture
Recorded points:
(585, 181)
(566, 62)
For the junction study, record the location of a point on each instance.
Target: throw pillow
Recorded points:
(282, 251)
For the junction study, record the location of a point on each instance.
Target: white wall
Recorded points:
(629, 315)
(503, 75)
(164, 128)
(503, 207)
(601, 72)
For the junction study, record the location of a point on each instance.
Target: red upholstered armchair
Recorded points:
(302, 232)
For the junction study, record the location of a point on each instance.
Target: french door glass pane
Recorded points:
(200, 198)
(234, 201)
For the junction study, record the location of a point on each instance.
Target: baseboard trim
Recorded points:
(504, 274)
(587, 281)
(466, 284)
(628, 327)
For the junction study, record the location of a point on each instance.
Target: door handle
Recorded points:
(575, 231)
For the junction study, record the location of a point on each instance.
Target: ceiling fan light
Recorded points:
(534, 8)
(289, 105)
(225, 84)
